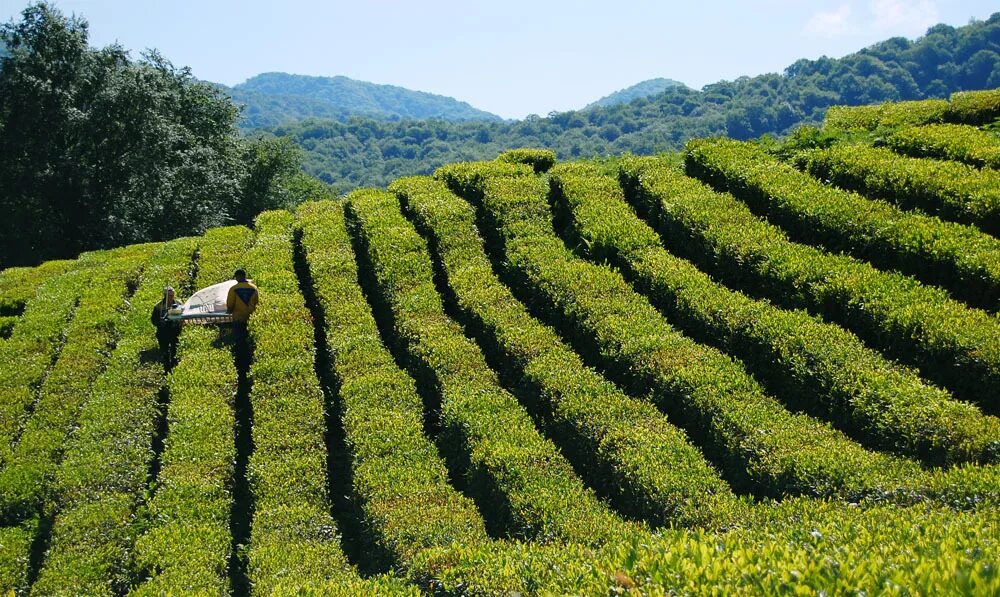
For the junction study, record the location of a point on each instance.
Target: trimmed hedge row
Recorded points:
(539, 159)
(103, 476)
(640, 458)
(188, 544)
(27, 479)
(962, 258)
(953, 345)
(811, 364)
(293, 536)
(887, 115)
(953, 191)
(34, 345)
(760, 445)
(974, 107)
(956, 142)
(964, 107)
(15, 553)
(517, 474)
(7, 323)
(399, 477)
(18, 285)
(807, 546)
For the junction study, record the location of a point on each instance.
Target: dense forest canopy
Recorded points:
(99, 150)
(946, 59)
(275, 98)
(633, 92)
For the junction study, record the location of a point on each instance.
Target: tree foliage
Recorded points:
(98, 149)
(360, 151)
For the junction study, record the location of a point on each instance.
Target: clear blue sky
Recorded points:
(513, 57)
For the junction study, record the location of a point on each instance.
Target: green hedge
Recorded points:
(953, 191)
(19, 285)
(626, 445)
(974, 107)
(962, 258)
(399, 479)
(188, 544)
(26, 481)
(15, 554)
(952, 345)
(956, 142)
(760, 445)
(810, 364)
(964, 107)
(806, 547)
(518, 475)
(34, 345)
(103, 476)
(887, 115)
(539, 159)
(293, 535)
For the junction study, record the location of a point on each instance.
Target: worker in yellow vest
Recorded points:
(240, 303)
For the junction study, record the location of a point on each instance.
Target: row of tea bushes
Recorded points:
(19, 285)
(625, 445)
(398, 476)
(27, 479)
(760, 446)
(955, 142)
(952, 191)
(965, 260)
(812, 365)
(951, 344)
(965, 107)
(517, 475)
(804, 546)
(101, 483)
(293, 536)
(34, 345)
(188, 545)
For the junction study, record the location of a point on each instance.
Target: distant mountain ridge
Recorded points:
(271, 99)
(647, 88)
(944, 60)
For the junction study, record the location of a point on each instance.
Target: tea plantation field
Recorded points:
(753, 372)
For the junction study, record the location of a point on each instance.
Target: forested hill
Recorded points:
(642, 89)
(276, 98)
(946, 59)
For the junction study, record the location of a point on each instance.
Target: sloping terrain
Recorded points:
(746, 374)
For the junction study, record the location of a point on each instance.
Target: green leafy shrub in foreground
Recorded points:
(805, 545)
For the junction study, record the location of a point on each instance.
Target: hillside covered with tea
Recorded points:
(757, 369)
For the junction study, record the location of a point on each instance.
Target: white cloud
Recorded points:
(834, 23)
(903, 17)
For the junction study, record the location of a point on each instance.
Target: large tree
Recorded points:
(98, 149)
